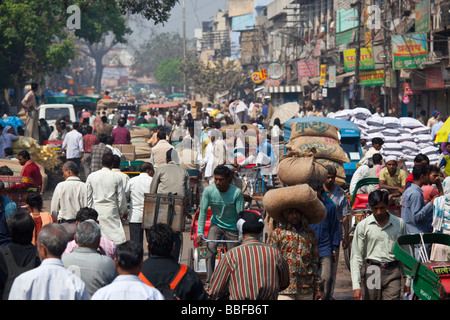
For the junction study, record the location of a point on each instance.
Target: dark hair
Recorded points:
(116, 161)
(421, 157)
(252, 222)
(24, 154)
(129, 255)
(87, 130)
(121, 122)
(316, 185)
(419, 170)
(21, 226)
(104, 119)
(34, 85)
(377, 158)
(146, 166)
(9, 151)
(160, 239)
(331, 170)
(161, 135)
(109, 140)
(434, 169)
(76, 125)
(108, 160)
(377, 140)
(222, 170)
(34, 200)
(87, 213)
(103, 138)
(378, 196)
(72, 166)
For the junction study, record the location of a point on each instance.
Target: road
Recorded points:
(343, 288)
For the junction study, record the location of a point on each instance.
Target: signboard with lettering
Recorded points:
(422, 16)
(410, 51)
(275, 71)
(371, 78)
(259, 76)
(308, 68)
(365, 62)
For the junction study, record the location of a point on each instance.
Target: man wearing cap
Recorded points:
(433, 119)
(393, 179)
(263, 278)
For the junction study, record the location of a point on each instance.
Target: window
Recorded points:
(55, 113)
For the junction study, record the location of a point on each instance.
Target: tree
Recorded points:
(102, 27)
(34, 41)
(168, 74)
(209, 78)
(157, 48)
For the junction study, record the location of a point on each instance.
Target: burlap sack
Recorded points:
(144, 132)
(340, 171)
(326, 147)
(314, 128)
(297, 168)
(107, 104)
(301, 197)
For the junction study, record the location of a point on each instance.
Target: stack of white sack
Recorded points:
(403, 137)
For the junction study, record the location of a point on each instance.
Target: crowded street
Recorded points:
(272, 150)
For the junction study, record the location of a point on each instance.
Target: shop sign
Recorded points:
(259, 76)
(275, 71)
(365, 62)
(371, 78)
(308, 68)
(409, 51)
(323, 74)
(422, 16)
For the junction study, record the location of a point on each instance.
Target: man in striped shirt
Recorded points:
(252, 271)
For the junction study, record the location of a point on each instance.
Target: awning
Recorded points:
(340, 78)
(165, 105)
(284, 89)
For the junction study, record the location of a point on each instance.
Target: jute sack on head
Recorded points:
(314, 128)
(340, 171)
(297, 168)
(326, 147)
(300, 197)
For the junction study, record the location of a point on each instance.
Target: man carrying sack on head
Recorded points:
(294, 209)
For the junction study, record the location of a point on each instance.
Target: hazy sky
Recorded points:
(197, 11)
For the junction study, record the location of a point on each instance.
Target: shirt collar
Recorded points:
(372, 220)
(73, 178)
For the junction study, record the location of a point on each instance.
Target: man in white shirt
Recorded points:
(68, 198)
(127, 285)
(73, 143)
(51, 280)
(106, 195)
(116, 169)
(134, 192)
(158, 154)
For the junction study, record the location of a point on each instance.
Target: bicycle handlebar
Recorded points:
(211, 240)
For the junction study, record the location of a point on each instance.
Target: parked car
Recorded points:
(53, 112)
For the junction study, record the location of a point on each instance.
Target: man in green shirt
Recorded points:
(393, 179)
(225, 201)
(372, 252)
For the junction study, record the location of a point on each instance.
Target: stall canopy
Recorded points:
(164, 105)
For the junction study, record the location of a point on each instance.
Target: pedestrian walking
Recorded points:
(372, 253)
(30, 105)
(73, 145)
(49, 281)
(127, 285)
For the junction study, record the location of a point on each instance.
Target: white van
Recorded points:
(53, 112)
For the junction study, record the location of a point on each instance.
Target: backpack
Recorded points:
(13, 270)
(168, 290)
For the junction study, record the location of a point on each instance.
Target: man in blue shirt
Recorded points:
(327, 233)
(414, 212)
(265, 109)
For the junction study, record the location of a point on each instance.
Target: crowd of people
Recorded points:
(79, 248)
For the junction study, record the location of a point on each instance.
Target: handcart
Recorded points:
(16, 189)
(430, 279)
(359, 202)
(197, 254)
(131, 168)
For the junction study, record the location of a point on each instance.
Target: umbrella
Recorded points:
(285, 112)
(443, 133)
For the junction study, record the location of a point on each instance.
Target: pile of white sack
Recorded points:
(403, 137)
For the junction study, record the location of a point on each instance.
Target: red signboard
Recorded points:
(434, 78)
(308, 68)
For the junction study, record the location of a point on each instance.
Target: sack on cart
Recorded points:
(164, 208)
